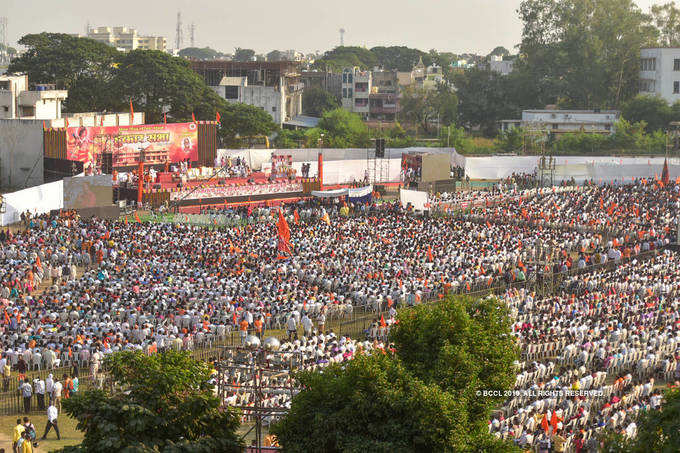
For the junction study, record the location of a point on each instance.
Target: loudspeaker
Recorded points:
(379, 148)
(107, 163)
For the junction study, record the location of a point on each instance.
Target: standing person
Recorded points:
(243, 330)
(26, 390)
(68, 386)
(291, 326)
(76, 383)
(307, 325)
(39, 388)
(6, 373)
(27, 445)
(58, 387)
(49, 388)
(51, 422)
(29, 431)
(17, 434)
(258, 323)
(321, 322)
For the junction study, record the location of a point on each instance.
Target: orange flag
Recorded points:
(193, 118)
(126, 220)
(544, 423)
(37, 262)
(382, 321)
(137, 219)
(218, 118)
(297, 217)
(284, 233)
(429, 254)
(132, 112)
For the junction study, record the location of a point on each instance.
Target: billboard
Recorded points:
(161, 143)
(87, 191)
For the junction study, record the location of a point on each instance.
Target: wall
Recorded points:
(664, 75)
(38, 200)
(21, 153)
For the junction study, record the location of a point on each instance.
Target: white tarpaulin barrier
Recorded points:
(418, 199)
(579, 167)
(352, 193)
(37, 200)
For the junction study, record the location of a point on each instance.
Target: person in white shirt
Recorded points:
(51, 422)
(58, 387)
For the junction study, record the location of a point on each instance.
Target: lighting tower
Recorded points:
(342, 37)
(178, 31)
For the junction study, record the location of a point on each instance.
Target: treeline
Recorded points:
(100, 78)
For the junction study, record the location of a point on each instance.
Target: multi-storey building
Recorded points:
(126, 38)
(660, 73)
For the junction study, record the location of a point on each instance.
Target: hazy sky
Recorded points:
(304, 25)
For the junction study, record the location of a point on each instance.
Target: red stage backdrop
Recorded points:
(173, 142)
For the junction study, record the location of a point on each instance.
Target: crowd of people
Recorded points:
(594, 353)
(73, 290)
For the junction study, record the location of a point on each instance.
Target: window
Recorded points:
(676, 64)
(274, 109)
(647, 85)
(344, 92)
(231, 92)
(608, 127)
(648, 64)
(349, 93)
(344, 77)
(554, 126)
(676, 87)
(349, 77)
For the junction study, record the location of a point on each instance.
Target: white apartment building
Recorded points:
(501, 66)
(356, 88)
(660, 73)
(564, 121)
(18, 102)
(126, 38)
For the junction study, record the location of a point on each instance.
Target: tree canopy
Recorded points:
(419, 397)
(347, 57)
(167, 405)
(243, 54)
(197, 53)
(342, 129)
(316, 101)
(101, 78)
(401, 58)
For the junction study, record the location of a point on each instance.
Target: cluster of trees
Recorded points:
(420, 396)
(164, 403)
(337, 128)
(573, 54)
(205, 53)
(103, 79)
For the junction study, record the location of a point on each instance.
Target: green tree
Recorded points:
(241, 120)
(275, 55)
(316, 101)
(485, 97)
(166, 405)
(499, 51)
(401, 58)
(444, 102)
(197, 53)
(653, 110)
(583, 54)
(346, 57)
(157, 82)
(243, 54)
(666, 18)
(83, 66)
(657, 430)
(421, 397)
(343, 129)
(464, 346)
(416, 107)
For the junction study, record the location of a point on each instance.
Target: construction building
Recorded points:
(18, 102)
(274, 86)
(372, 94)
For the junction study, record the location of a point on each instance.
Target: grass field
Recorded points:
(67, 428)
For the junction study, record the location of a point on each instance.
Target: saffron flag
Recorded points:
(284, 233)
(218, 118)
(126, 220)
(132, 112)
(165, 118)
(137, 219)
(382, 321)
(544, 423)
(193, 118)
(665, 177)
(429, 254)
(297, 217)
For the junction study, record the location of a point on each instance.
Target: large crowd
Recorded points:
(74, 289)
